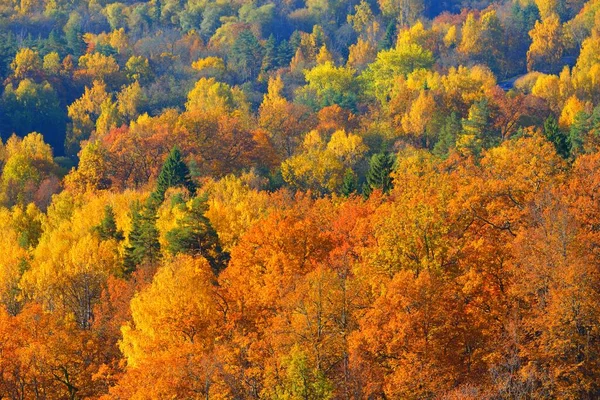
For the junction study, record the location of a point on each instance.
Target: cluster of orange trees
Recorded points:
(471, 278)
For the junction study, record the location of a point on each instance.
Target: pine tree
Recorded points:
(285, 53)
(379, 176)
(174, 173)
(554, 134)
(577, 133)
(389, 38)
(195, 235)
(108, 226)
(350, 183)
(143, 238)
(448, 134)
(269, 59)
(246, 55)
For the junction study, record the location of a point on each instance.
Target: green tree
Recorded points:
(173, 173)
(107, 229)
(578, 133)
(246, 56)
(143, 238)
(350, 183)
(448, 135)
(379, 176)
(269, 60)
(554, 134)
(195, 235)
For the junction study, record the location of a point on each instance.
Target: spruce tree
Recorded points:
(195, 235)
(285, 53)
(379, 176)
(269, 59)
(389, 37)
(577, 133)
(173, 173)
(143, 239)
(448, 135)
(246, 55)
(350, 183)
(558, 138)
(108, 226)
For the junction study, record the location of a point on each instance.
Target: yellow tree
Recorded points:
(175, 322)
(547, 44)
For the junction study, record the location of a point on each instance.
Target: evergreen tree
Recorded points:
(389, 37)
(174, 173)
(108, 226)
(246, 55)
(578, 133)
(143, 238)
(448, 134)
(379, 176)
(554, 134)
(476, 133)
(269, 59)
(285, 53)
(350, 183)
(74, 35)
(195, 235)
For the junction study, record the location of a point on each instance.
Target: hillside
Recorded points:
(300, 199)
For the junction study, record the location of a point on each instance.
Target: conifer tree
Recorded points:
(389, 38)
(350, 183)
(108, 226)
(448, 134)
(195, 235)
(577, 133)
(381, 166)
(143, 238)
(554, 134)
(269, 59)
(285, 53)
(173, 173)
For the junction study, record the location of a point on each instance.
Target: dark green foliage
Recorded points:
(107, 229)
(195, 235)
(173, 173)
(285, 53)
(74, 36)
(578, 132)
(379, 176)
(269, 59)
(390, 37)
(144, 246)
(246, 56)
(558, 138)
(350, 183)
(448, 135)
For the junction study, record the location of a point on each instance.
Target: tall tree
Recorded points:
(379, 176)
(174, 173)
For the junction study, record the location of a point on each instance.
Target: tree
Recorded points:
(143, 245)
(27, 64)
(195, 235)
(329, 85)
(547, 44)
(350, 183)
(379, 176)
(174, 173)
(555, 135)
(107, 229)
(175, 326)
(246, 56)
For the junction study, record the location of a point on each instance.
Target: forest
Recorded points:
(299, 199)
